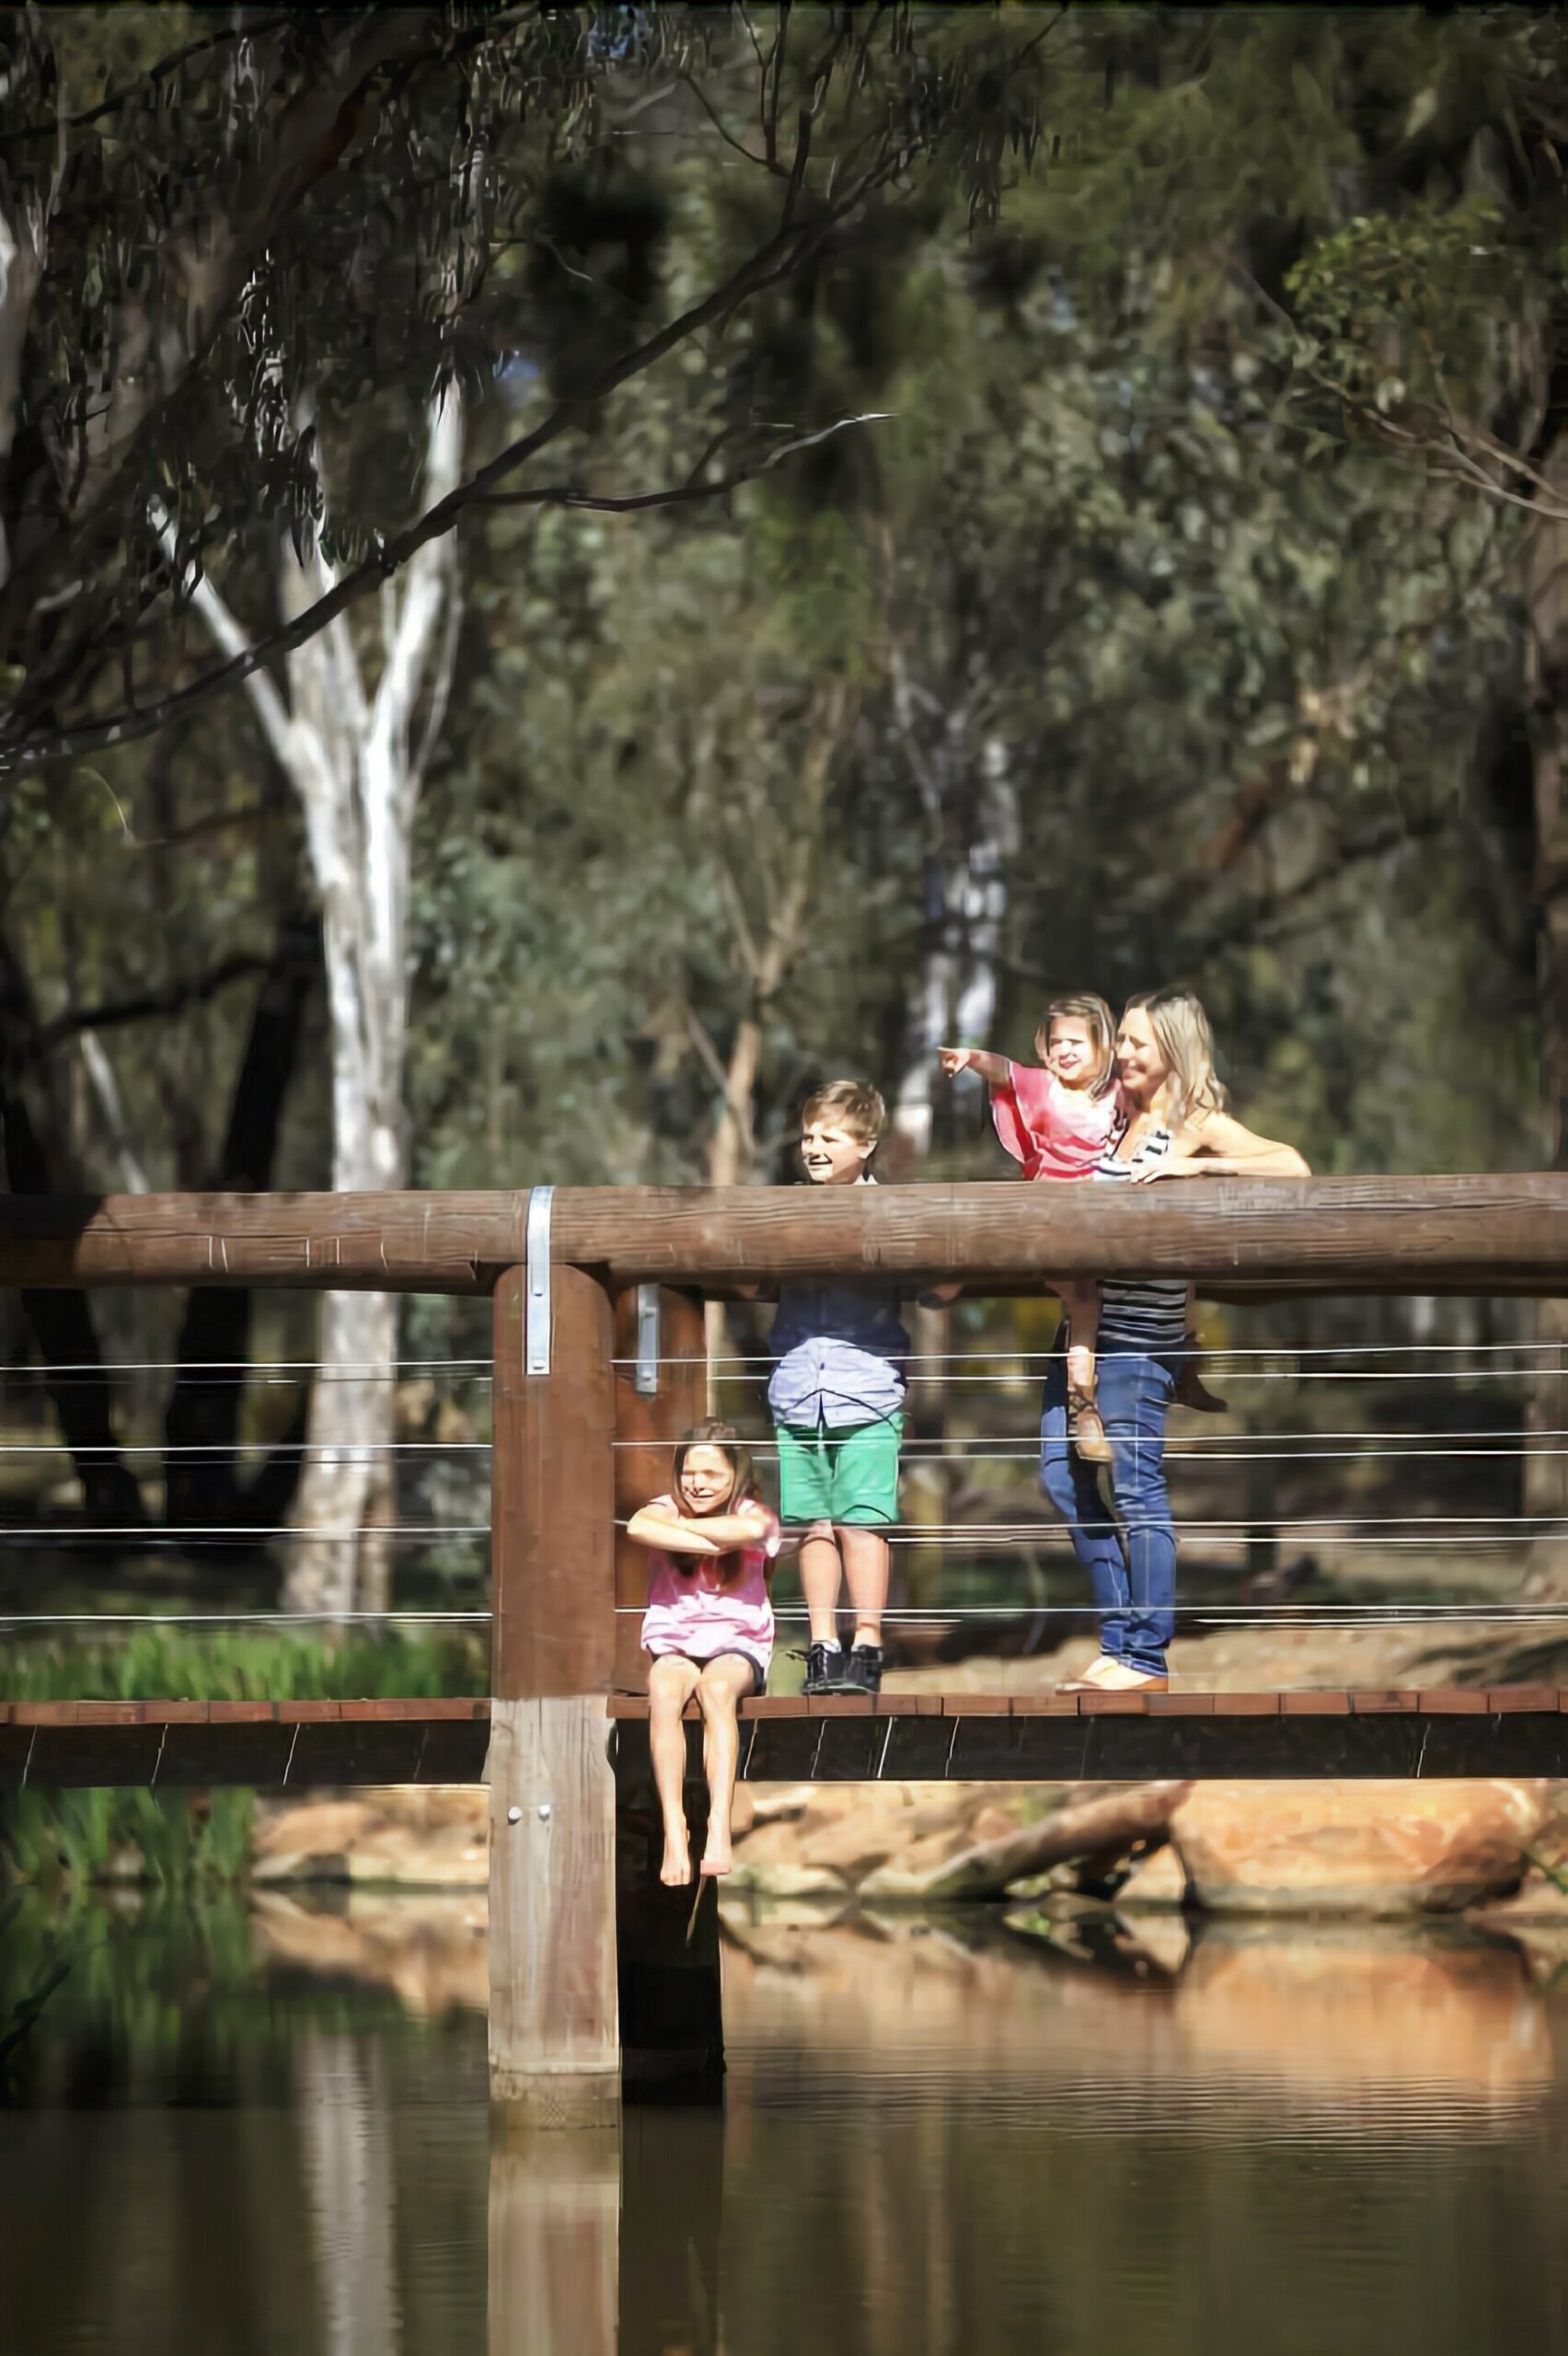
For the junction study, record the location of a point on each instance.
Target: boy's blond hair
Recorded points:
(1088, 1007)
(853, 1104)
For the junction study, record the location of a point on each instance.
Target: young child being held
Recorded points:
(708, 1628)
(1057, 1121)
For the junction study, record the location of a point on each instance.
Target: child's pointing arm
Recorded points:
(994, 1070)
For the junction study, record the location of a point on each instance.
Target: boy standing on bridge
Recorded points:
(836, 1398)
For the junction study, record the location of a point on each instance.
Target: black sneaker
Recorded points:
(863, 1670)
(825, 1668)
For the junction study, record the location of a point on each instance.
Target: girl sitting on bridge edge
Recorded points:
(708, 1628)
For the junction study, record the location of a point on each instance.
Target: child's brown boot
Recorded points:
(1084, 1424)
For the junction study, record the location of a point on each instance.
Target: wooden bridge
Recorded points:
(598, 1364)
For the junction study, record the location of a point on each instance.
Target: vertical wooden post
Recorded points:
(647, 1425)
(554, 2028)
(667, 1940)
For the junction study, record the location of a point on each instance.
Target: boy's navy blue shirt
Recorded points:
(839, 1352)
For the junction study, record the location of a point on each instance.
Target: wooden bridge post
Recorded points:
(667, 1940)
(554, 2031)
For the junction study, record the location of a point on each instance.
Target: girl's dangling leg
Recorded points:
(724, 1684)
(672, 1681)
(1081, 1302)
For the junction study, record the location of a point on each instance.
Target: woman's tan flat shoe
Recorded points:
(1093, 1679)
(1120, 1679)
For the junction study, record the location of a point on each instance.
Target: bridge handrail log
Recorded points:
(1489, 1233)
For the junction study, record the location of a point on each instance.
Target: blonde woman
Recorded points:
(1171, 1123)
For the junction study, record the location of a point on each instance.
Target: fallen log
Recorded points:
(1105, 1827)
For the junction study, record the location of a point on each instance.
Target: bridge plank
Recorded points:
(904, 1737)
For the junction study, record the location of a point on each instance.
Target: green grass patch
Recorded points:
(190, 1841)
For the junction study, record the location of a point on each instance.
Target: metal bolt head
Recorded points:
(544, 1811)
(515, 1816)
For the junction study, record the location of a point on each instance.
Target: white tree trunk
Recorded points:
(356, 763)
(956, 994)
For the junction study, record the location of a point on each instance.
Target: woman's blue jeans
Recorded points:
(1130, 1554)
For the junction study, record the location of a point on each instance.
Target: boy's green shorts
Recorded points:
(848, 1476)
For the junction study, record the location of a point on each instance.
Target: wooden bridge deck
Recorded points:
(907, 1738)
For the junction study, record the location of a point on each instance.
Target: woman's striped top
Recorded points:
(1140, 1314)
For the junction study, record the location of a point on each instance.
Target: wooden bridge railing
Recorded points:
(1504, 1234)
(565, 1269)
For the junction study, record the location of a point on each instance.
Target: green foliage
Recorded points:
(164, 1664)
(1395, 309)
(258, 253)
(181, 1840)
(1144, 604)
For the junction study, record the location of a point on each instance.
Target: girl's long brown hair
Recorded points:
(714, 1432)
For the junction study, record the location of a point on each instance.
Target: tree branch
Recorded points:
(231, 640)
(683, 494)
(154, 75)
(195, 989)
(312, 135)
(783, 253)
(427, 590)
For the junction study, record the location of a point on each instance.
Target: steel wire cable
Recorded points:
(388, 1369)
(1283, 1614)
(350, 1369)
(401, 1532)
(215, 1451)
(1003, 1370)
(1227, 1351)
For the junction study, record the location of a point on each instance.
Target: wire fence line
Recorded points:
(1505, 1534)
(1286, 1362)
(1283, 1613)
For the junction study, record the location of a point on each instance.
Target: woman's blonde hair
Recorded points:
(1097, 1020)
(1186, 1042)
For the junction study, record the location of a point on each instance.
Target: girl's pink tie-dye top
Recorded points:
(690, 1611)
(1055, 1132)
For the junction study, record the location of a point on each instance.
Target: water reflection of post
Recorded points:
(554, 2238)
(345, 2117)
(673, 2173)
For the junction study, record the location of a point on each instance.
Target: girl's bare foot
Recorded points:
(675, 1871)
(717, 1858)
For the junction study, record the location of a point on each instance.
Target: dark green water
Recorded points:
(271, 2135)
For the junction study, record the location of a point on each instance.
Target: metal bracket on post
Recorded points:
(645, 1382)
(536, 1318)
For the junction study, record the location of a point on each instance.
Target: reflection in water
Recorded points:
(938, 2136)
(554, 2242)
(342, 2107)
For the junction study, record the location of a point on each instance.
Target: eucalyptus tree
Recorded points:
(243, 269)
